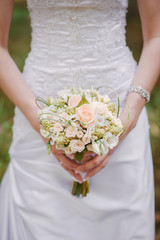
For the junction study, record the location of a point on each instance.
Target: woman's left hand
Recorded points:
(94, 165)
(97, 163)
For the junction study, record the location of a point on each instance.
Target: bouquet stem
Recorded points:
(80, 188)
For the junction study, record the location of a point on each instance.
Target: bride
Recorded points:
(79, 43)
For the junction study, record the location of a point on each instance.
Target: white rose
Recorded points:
(71, 132)
(77, 146)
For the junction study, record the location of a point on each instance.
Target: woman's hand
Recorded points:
(68, 163)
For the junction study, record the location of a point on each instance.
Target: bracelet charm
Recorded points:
(138, 89)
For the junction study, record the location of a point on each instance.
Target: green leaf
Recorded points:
(78, 156)
(83, 101)
(49, 147)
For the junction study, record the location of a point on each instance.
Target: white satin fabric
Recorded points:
(78, 42)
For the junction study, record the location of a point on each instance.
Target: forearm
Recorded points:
(147, 74)
(17, 90)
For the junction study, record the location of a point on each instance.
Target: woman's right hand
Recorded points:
(68, 163)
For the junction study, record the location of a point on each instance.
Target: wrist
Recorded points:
(31, 113)
(135, 101)
(133, 106)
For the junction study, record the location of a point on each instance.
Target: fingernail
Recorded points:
(77, 171)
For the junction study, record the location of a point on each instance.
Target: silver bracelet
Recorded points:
(138, 89)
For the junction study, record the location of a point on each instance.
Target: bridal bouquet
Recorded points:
(78, 121)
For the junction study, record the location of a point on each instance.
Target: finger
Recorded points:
(90, 164)
(54, 150)
(88, 153)
(86, 158)
(76, 176)
(71, 164)
(97, 169)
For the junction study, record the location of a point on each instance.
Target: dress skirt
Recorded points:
(36, 201)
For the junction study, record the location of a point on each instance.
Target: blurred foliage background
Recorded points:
(19, 46)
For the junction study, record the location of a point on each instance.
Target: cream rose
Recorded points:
(86, 138)
(99, 107)
(86, 114)
(79, 134)
(71, 132)
(74, 100)
(58, 127)
(76, 146)
(68, 150)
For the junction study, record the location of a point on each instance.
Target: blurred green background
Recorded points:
(19, 46)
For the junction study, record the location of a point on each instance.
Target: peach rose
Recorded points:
(74, 100)
(86, 114)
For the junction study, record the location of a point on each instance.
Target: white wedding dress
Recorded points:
(78, 43)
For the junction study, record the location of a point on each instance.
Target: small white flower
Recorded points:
(77, 146)
(89, 147)
(103, 147)
(110, 140)
(54, 137)
(44, 133)
(106, 99)
(101, 121)
(108, 114)
(65, 93)
(96, 147)
(65, 115)
(118, 122)
(71, 132)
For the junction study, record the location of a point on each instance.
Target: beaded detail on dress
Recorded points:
(76, 43)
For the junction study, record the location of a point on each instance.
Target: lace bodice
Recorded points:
(77, 43)
(75, 40)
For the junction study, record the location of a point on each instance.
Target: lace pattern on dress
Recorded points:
(76, 43)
